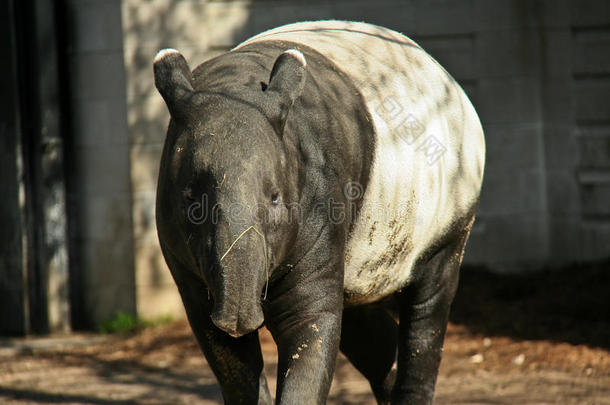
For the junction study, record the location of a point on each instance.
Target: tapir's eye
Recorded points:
(275, 198)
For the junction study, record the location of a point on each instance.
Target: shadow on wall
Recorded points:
(567, 305)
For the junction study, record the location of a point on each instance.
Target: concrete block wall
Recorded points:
(537, 72)
(103, 281)
(580, 180)
(147, 28)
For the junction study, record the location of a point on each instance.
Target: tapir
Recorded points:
(320, 179)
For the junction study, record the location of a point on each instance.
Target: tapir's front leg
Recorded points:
(304, 317)
(308, 340)
(237, 363)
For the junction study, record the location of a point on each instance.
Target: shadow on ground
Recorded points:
(568, 305)
(41, 397)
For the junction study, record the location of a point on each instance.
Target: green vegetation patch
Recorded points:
(123, 323)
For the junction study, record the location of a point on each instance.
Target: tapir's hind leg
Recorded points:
(424, 311)
(368, 339)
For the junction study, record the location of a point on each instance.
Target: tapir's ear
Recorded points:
(286, 84)
(174, 80)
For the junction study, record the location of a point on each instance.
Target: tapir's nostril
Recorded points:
(236, 324)
(227, 325)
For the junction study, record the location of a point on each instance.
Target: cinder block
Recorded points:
(595, 240)
(508, 53)
(510, 242)
(591, 99)
(557, 50)
(562, 192)
(144, 225)
(594, 146)
(560, 146)
(148, 120)
(232, 22)
(513, 146)
(96, 26)
(166, 23)
(566, 240)
(400, 17)
(100, 122)
(139, 76)
(516, 14)
(439, 17)
(590, 50)
(151, 269)
(509, 100)
(108, 277)
(155, 302)
(557, 102)
(107, 261)
(589, 12)
(97, 75)
(513, 192)
(105, 301)
(145, 159)
(595, 198)
(102, 169)
(103, 217)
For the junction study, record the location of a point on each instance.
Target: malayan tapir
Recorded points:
(321, 178)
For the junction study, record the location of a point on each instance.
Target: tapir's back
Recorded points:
(429, 150)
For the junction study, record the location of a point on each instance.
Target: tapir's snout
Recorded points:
(237, 306)
(238, 322)
(238, 281)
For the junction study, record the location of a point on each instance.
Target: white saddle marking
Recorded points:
(429, 149)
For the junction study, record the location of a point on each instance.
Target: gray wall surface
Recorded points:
(102, 194)
(538, 73)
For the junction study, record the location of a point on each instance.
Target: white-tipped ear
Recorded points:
(165, 52)
(173, 79)
(286, 83)
(297, 54)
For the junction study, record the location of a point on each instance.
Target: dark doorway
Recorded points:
(34, 293)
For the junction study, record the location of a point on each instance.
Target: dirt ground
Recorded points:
(542, 339)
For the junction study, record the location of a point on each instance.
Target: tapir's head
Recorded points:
(227, 182)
